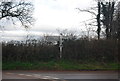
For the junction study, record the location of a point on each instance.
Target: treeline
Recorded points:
(107, 17)
(78, 50)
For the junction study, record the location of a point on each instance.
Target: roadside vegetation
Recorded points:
(61, 66)
(79, 54)
(86, 52)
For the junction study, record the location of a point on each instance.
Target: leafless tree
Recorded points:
(67, 34)
(93, 11)
(104, 16)
(108, 9)
(17, 11)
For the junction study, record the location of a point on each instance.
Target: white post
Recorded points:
(61, 45)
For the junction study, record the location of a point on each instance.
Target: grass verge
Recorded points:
(59, 65)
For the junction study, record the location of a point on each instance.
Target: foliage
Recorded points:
(81, 49)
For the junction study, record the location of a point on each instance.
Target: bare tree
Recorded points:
(107, 12)
(104, 16)
(99, 20)
(67, 34)
(96, 14)
(89, 30)
(116, 24)
(17, 11)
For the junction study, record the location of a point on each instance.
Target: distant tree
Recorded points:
(117, 22)
(97, 16)
(99, 20)
(67, 34)
(89, 30)
(108, 9)
(105, 10)
(17, 11)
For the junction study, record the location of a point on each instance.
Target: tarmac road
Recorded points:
(60, 75)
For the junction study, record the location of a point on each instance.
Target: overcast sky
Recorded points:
(51, 15)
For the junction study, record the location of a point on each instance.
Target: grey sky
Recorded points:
(51, 15)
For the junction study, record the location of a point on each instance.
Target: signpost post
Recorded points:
(61, 45)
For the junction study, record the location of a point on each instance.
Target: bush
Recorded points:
(84, 50)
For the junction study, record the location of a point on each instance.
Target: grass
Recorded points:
(59, 65)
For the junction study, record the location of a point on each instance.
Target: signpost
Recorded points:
(57, 38)
(61, 45)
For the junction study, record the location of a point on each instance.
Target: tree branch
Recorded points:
(93, 13)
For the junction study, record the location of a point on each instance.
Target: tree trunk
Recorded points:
(98, 20)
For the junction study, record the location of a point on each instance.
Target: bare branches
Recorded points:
(97, 15)
(86, 10)
(21, 11)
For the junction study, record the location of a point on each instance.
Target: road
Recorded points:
(61, 76)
